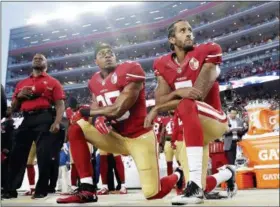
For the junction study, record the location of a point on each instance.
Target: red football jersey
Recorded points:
(74, 116)
(185, 75)
(168, 124)
(106, 91)
(157, 127)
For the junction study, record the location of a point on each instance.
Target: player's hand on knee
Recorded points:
(190, 92)
(150, 118)
(102, 124)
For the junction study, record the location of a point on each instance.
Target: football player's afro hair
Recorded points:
(101, 47)
(72, 102)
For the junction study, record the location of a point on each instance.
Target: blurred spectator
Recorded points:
(7, 131)
(233, 135)
(3, 102)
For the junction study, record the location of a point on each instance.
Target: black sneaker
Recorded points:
(86, 193)
(191, 195)
(39, 195)
(51, 191)
(10, 195)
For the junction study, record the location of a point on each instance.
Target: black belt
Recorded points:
(38, 111)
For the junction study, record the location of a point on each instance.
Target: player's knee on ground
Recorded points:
(149, 191)
(186, 107)
(149, 178)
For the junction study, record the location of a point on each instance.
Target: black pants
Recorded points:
(231, 154)
(4, 173)
(54, 165)
(117, 175)
(33, 128)
(54, 168)
(110, 175)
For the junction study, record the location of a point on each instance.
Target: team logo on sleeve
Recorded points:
(114, 78)
(194, 64)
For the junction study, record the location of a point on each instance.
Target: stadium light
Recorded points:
(70, 12)
(100, 7)
(37, 19)
(66, 13)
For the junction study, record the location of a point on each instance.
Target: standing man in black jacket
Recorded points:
(35, 96)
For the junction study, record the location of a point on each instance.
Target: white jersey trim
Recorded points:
(212, 111)
(214, 55)
(135, 76)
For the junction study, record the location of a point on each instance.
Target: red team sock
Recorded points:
(74, 175)
(193, 135)
(31, 175)
(166, 184)
(211, 183)
(120, 168)
(104, 169)
(80, 151)
(169, 168)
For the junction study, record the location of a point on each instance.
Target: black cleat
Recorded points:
(193, 194)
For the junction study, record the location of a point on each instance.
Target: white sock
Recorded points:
(194, 156)
(123, 185)
(105, 186)
(32, 186)
(222, 176)
(87, 180)
(178, 175)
